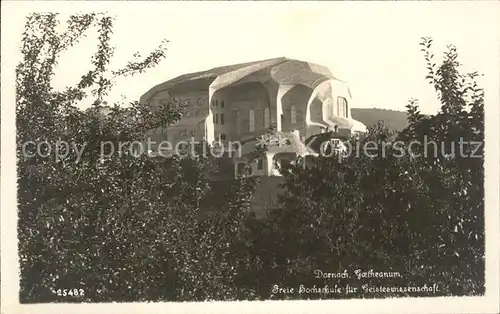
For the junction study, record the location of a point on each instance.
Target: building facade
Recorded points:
(242, 102)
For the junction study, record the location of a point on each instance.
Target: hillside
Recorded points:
(395, 120)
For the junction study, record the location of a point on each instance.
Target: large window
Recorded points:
(221, 118)
(251, 120)
(266, 118)
(293, 113)
(342, 107)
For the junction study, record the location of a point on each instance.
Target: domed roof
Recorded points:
(282, 70)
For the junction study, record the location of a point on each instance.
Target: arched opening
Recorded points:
(316, 111)
(246, 108)
(294, 105)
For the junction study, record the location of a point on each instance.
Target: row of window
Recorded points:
(185, 133)
(219, 118)
(251, 119)
(215, 103)
(200, 101)
(195, 113)
(342, 110)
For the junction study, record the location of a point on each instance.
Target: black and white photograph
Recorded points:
(253, 156)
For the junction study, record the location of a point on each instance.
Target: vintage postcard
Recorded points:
(274, 157)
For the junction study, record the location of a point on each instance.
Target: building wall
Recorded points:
(223, 117)
(233, 104)
(241, 99)
(338, 89)
(196, 102)
(158, 98)
(298, 98)
(197, 106)
(316, 110)
(325, 108)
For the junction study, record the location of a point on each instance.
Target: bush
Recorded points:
(420, 215)
(123, 228)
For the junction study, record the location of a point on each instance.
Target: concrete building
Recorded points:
(241, 102)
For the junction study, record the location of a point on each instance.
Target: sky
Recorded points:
(371, 45)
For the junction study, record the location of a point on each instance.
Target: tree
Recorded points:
(418, 214)
(120, 226)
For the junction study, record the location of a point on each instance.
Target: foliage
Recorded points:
(132, 227)
(122, 227)
(420, 213)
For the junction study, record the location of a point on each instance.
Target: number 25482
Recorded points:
(70, 292)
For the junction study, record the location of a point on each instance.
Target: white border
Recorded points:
(9, 267)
